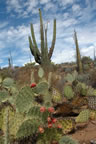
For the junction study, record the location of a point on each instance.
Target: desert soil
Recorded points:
(85, 135)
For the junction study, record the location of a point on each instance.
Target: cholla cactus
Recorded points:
(43, 58)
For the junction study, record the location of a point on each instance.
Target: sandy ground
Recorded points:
(85, 135)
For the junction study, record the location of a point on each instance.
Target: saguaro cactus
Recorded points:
(42, 57)
(78, 57)
(9, 62)
(94, 55)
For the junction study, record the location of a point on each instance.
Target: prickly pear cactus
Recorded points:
(56, 96)
(86, 67)
(6, 123)
(68, 125)
(8, 82)
(75, 74)
(49, 135)
(41, 72)
(1, 79)
(68, 92)
(27, 128)
(13, 90)
(83, 116)
(90, 91)
(92, 102)
(49, 80)
(15, 120)
(4, 95)
(67, 140)
(81, 89)
(71, 77)
(25, 99)
(32, 77)
(41, 88)
(1, 119)
(93, 114)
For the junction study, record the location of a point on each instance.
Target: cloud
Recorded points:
(16, 41)
(3, 24)
(44, 1)
(49, 6)
(22, 8)
(63, 56)
(69, 14)
(31, 4)
(14, 5)
(75, 7)
(66, 2)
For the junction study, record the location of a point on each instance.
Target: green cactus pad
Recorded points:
(49, 80)
(67, 140)
(84, 90)
(41, 72)
(32, 77)
(4, 95)
(90, 91)
(49, 135)
(56, 96)
(75, 75)
(25, 99)
(41, 88)
(83, 116)
(15, 120)
(81, 89)
(68, 92)
(34, 111)
(68, 125)
(1, 119)
(27, 128)
(69, 78)
(1, 79)
(7, 82)
(13, 90)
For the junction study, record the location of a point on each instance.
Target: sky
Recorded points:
(17, 15)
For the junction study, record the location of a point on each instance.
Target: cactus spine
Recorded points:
(42, 57)
(79, 63)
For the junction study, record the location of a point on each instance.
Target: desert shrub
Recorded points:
(93, 78)
(86, 60)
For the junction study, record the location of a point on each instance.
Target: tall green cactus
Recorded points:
(42, 57)
(79, 63)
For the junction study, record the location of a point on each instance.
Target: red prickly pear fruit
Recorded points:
(33, 85)
(42, 109)
(51, 109)
(41, 130)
